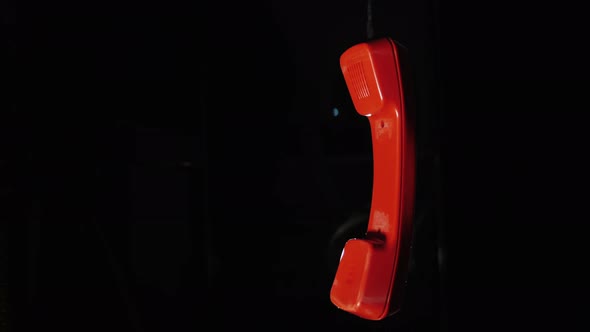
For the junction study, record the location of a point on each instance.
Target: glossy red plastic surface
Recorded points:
(372, 272)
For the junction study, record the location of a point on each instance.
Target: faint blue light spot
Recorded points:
(335, 112)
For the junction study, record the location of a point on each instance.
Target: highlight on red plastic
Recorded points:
(371, 276)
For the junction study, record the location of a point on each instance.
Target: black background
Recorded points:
(175, 166)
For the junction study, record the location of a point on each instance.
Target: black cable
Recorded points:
(370, 30)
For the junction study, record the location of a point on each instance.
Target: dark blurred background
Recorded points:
(176, 166)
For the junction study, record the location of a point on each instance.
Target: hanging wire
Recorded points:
(370, 31)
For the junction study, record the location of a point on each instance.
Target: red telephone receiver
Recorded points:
(372, 272)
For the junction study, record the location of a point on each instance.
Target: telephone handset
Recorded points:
(371, 276)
